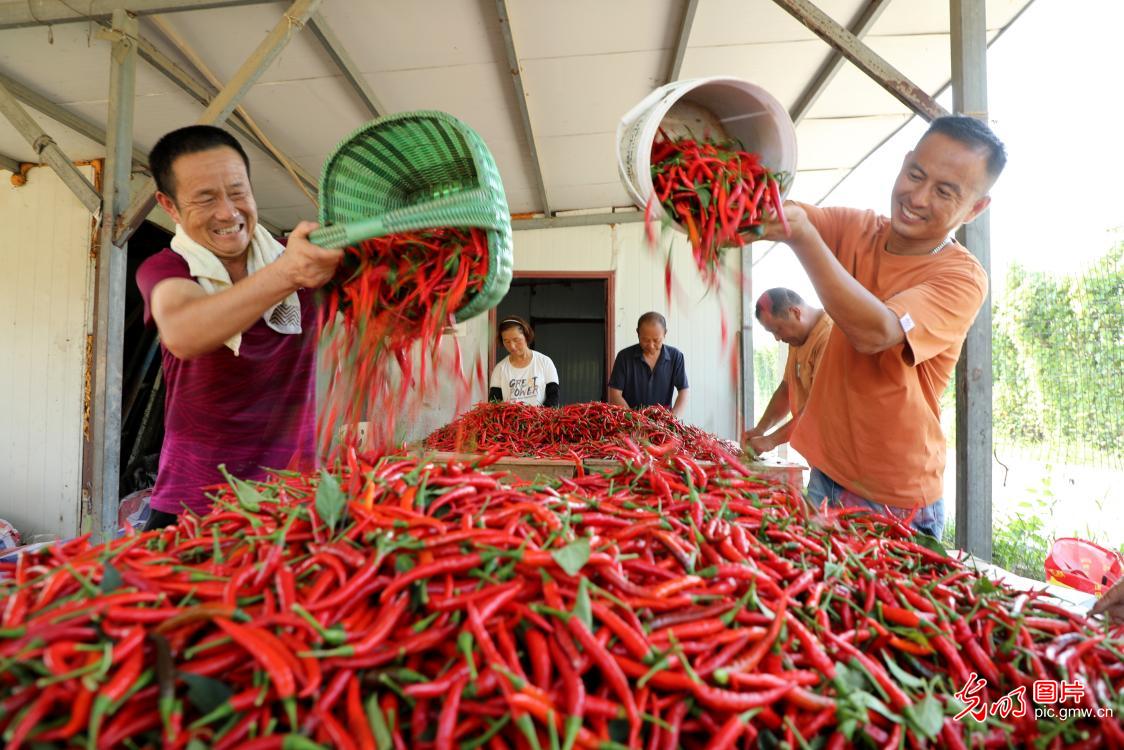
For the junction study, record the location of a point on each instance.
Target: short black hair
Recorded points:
(514, 321)
(189, 140)
(652, 317)
(780, 299)
(973, 132)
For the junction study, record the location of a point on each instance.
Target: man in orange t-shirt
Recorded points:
(784, 313)
(902, 295)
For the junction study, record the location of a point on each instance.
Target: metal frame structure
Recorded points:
(521, 101)
(863, 57)
(204, 94)
(118, 223)
(120, 219)
(220, 108)
(48, 150)
(77, 123)
(16, 13)
(181, 45)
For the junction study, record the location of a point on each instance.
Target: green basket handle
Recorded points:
(468, 209)
(343, 235)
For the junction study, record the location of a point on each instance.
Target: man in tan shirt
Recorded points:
(784, 313)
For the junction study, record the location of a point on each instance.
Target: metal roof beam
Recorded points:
(864, 58)
(521, 99)
(15, 13)
(939, 93)
(685, 25)
(222, 105)
(63, 116)
(339, 54)
(579, 220)
(46, 148)
(205, 94)
(859, 27)
(193, 57)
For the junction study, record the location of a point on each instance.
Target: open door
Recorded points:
(572, 318)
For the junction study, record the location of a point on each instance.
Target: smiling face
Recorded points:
(213, 201)
(943, 184)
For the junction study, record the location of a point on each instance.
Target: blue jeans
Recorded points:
(928, 520)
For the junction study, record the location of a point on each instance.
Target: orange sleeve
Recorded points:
(837, 225)
(826, 222)
(938, 313)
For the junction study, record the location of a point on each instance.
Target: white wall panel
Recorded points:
(694, 321)
(44, 291)
(694, 318)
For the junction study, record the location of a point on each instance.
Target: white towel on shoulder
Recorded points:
(208, 270)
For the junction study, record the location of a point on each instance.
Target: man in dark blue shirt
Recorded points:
(650, 372)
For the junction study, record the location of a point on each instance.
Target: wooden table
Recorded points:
(528, 469)
(781, 471)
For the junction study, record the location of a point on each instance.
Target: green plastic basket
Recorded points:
(413, 171)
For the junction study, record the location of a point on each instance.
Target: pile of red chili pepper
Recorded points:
(579, 431)
(395, 293)
(719, 193)
(400, 604)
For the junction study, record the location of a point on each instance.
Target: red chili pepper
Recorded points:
(265, 652)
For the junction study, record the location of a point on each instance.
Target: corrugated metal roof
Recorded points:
(584, 63)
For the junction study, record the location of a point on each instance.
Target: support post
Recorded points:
(222, 105)
(109, 333)
(48, 150)
(974, 370)
(745, 288)
(863, 57)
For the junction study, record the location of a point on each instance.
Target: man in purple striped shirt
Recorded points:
(237, 322)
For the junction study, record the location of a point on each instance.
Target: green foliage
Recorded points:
(1021, 539)
(1020, 543)
(768, 367)
(1059, 361)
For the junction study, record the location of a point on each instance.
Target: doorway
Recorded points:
(572, 317)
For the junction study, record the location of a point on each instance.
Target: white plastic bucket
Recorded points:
(745, 111)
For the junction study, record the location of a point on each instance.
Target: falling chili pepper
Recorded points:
(720, 193)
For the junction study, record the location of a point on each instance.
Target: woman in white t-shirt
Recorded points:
(524, 375)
